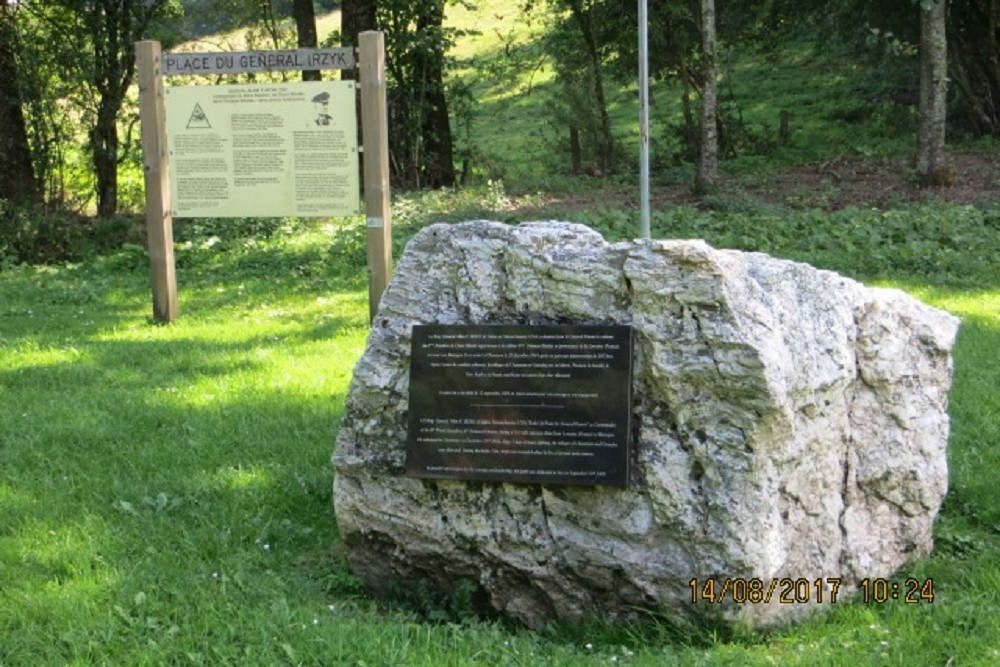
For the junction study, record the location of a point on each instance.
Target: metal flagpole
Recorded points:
(644, 230)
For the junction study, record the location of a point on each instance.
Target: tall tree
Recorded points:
(974, 67)
(972, 42)
(101, 34)
(931, 166)
(708, 150)
(438, 169)
(677, 49)
(581, 11)
(579, 42)
(305, 29)
(356, 16)
(17, 181)
(416, 40)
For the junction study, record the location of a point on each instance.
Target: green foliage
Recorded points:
(50, 127)
(305, 251)
(28, 234)
(412, 211)
(465, 602)
(420, 139)
(886, 33)
(79, 71)
(259, 21)
(947, 245)
(31, 235)
(579, 41)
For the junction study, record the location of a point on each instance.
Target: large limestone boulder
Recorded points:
(789, 424)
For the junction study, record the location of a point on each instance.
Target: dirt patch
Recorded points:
(831, 185)
(883, 184)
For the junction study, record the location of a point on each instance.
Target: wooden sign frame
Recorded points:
(152, 68)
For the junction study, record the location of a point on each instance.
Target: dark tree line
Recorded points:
(594, 40)
(421, 149)
(92, 44)
(17, 179)
(89, 60)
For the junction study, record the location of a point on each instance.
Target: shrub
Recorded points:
(30, 235)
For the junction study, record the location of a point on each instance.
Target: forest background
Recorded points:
(553, 94)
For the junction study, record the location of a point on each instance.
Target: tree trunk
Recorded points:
(932, 169)
(113, 31)
(974, 67)
(438, 147)
(356, 16)
(104, 155)
(17, 181)
(689, 140)
(708, 152)
(575, 150)
(305, 29)
(606, 142)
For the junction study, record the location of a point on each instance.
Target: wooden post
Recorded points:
(159, 221)
(375, 136)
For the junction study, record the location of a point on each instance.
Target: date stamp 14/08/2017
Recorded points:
(788, 590)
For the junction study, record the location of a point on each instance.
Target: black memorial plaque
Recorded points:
(520, 403)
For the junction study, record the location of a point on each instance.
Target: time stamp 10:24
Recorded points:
(787, 590)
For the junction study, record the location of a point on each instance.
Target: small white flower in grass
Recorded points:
(215, 575)
(614, 658)
(589, 646)
(315, 621)
(267, 547)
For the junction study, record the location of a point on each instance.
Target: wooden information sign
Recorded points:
(270, 150)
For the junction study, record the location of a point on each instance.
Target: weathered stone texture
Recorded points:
(789, 422)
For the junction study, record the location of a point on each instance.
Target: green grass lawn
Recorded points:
(165, 490)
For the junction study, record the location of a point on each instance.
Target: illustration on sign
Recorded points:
(198, 119)
(267, 150)
(322, 102)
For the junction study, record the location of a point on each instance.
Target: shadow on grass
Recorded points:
(186, 466)
(158, 484)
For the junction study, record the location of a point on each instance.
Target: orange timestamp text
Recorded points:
(754, 590)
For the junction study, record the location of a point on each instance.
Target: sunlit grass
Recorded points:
(152, 476)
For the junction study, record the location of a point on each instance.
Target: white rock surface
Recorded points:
(788, 423)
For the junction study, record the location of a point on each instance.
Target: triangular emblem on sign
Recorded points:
(198, 119)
